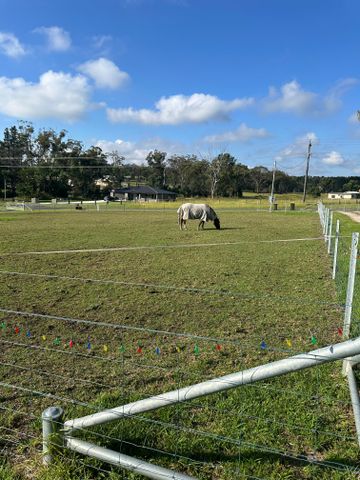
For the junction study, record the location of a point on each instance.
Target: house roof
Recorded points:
(144, 190)
(349, 192)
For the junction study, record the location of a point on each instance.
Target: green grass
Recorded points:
(277, 292)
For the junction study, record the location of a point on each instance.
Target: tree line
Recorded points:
(48, 164)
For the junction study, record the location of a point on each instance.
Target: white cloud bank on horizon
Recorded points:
(104, 73)
(136, 152)
(241, 134)
(57, 95)
(292, 98)
(177, 109)
(58, 39)
(333, 159)
(10, 45)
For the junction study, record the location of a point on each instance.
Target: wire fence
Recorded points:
(145, 204)
(90, 363)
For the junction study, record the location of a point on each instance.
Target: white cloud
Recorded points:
(298, 148)
(242, 134)
(105, 73)
(176, 109)
(292, 98)
(333, 158)
(132, 152)
(136, 152)
(293, 157)
(101, 40)
(333, 99)
(56, 95)
(10, 45)
(58, 39)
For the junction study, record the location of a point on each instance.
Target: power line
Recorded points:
(307, 170)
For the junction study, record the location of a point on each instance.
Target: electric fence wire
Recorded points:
(192, 404)
(205, 291)
(131, 328)
(222, 438)
(264, 386)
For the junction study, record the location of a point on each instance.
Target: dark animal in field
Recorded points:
(197, 211)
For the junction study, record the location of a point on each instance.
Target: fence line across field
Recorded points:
(120, 361)
(205, 291)
(156, 247)
(131, 328)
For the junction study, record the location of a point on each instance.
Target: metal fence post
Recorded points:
(52, 422)
(354, 394)
(330, 231)
(336, 245)
(351, 284)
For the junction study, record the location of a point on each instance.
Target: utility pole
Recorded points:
(307, 170)
(272, 187)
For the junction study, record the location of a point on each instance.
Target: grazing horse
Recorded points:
(200, 211)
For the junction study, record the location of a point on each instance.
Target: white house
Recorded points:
(344, 195)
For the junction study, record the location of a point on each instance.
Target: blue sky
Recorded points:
(257, 78)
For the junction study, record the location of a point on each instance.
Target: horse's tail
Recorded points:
(179, 212)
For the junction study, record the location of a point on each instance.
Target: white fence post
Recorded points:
(351, 284)
(330, 231)
(336, 244)
(326, 226)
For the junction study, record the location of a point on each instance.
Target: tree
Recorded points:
(157, 163)
(352, 185)
(88, 166)
(115, 172)
(180, 169)
(15, 152)
(261, 178)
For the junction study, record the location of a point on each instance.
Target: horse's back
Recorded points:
(193, 211)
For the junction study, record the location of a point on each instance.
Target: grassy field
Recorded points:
(240, 287)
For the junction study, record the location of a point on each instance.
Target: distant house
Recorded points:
(344, 195)
(103, 182)
(143, 193)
